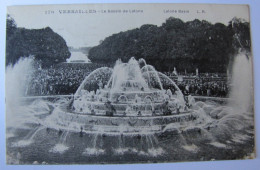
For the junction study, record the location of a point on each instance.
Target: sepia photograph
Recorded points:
(128, 83)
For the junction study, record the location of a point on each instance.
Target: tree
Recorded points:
(10, 25)
(184, 45)
(45, 45)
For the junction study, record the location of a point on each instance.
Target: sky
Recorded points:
(92, 23)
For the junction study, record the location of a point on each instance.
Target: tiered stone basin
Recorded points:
(117, 124)
(132, 100)
(147, 102)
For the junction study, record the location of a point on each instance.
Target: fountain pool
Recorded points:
(129, 114)
(128, 99)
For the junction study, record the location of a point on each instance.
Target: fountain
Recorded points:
(131, 113)
(128, 99)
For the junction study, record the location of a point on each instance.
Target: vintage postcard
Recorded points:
(128, 83)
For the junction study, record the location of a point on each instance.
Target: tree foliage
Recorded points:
(184, 45)
(45, 45)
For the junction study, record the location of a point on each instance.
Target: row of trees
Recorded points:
(45, 45)
(185, 45)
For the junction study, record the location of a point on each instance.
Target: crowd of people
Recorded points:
(203, 84)
(65, 78)
(217, 88)
(62, 79)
